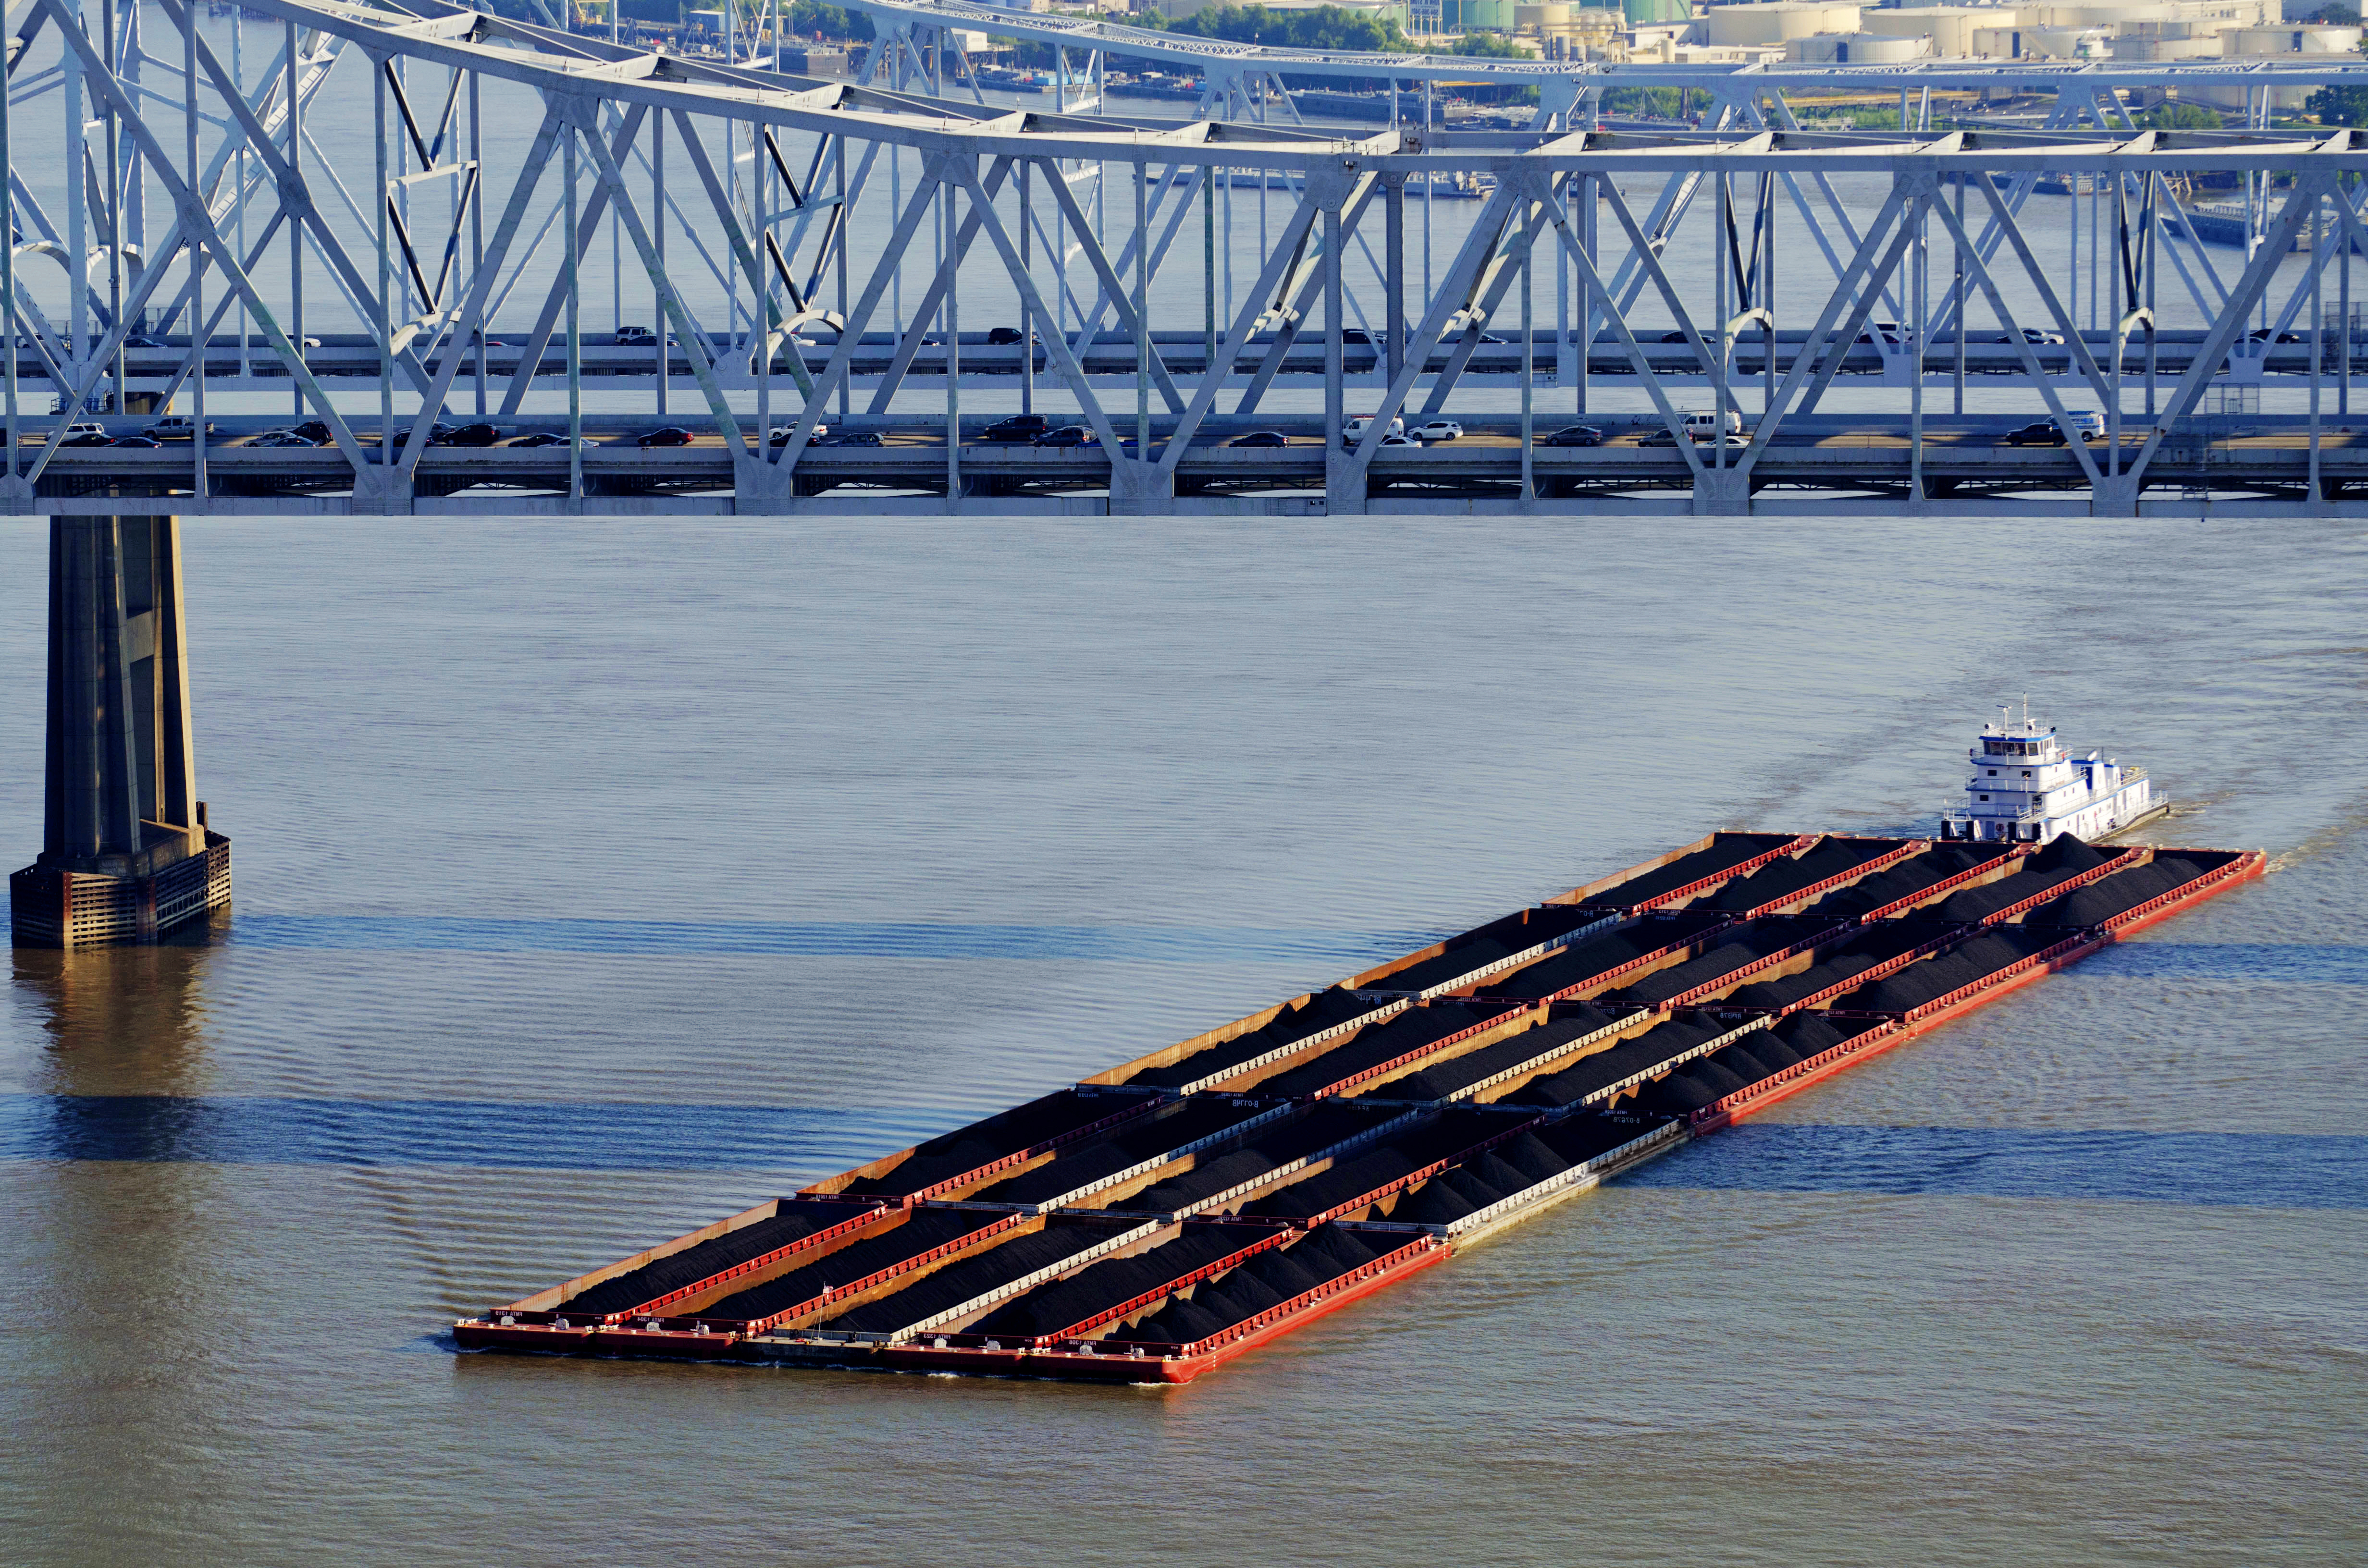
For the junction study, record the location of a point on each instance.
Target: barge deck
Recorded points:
(1172, 1214)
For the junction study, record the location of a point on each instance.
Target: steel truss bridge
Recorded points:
(843, 226)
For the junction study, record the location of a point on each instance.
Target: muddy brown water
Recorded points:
(597, 880)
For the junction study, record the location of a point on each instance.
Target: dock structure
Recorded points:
(1168, 1216)
(1152, 305)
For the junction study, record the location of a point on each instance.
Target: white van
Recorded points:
(1703, 425)
(1354, 431)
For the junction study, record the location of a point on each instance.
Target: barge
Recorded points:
(1173, 1213)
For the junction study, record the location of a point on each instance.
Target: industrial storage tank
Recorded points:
(1853, 49)
(1551, 18)
(1477, 15)
(1768, 25)
(1645, 13)
(1950, 27)
(2290, 41)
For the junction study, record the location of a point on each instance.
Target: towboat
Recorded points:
(2027, 789)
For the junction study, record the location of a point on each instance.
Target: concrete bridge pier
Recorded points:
(126, 851)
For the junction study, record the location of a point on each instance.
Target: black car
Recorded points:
(1673, 337)
(1017, 428)
(476, 436)
(665, 436)
(1356, 335)
(536, 438)
(2264, 334)
(440, 434)
(1001, 334)
(2046, 433)
(1576, 436)
(852, 438)
(1261, 438)
(135, 441)
(1068, 435)
(315, 431)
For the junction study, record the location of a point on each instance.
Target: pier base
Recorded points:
(127, 853)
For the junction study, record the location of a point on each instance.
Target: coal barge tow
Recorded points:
(1158, 1220)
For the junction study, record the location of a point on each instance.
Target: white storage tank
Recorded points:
(2314, 39)
(1950, 27)
(1779, 22)
(1544, 18)
(1853, 49)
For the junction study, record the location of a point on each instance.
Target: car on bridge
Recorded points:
(86, 436)
(852, 438)
(282, 438)
(1437, 430)
(1017, 428)
(999, 335)
(534, 439)
(635, 336)
(1580, 436)
(179, 427)
(135, 441)
(315, 431)
(1261, 438)
(2047, 433)
(466, 436)
(664, 436)
(780, 433)
(1069, 436)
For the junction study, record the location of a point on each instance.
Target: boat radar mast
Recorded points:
(2026, 788)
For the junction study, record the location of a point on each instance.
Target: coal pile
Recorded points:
(1590, 1074)
(1385, 1042)
(1513, 1166)
(1582, 962)
(1783, 878)
(1061, 1304)
(2124, 891)
(1326, 1123)
(1499, 939)
(1689, 1088)
(1452, 1132)
(2061, 861)
(1571, 1020)
(1911, 876)
(665, 1275)
(1745, 945)
(1922, 982)
(925, 1228)
(1128, 1143)
(1264, 1281)
(958, 1282)
(1813, 1034)
(1872, 945)
(1320, 1012)
(981, 1142)
(1728, 850)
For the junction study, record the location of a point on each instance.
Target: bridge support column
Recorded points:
(1141, 489)
(2114, 495)
(126, 851)
(1722, 493)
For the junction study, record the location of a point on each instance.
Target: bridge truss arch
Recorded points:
(819, 255)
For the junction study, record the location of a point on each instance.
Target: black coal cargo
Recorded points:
(1324, 1010)
(1745, 945)
(943, 1288)
(1323, 1124)
(922, 1231)
(966, 1149)
(1583, 961)
(1728, 851)
(1569, 1021)
(1599, 1070)
(1787, 876)
(1870, 945)
(1377, 1043)
(2060, 861)
(1909, 877)
(1450, 1132)
(793, 1221)
(1098, 1288)
(1477, 949)
(1127, 1144)
(1976, 957)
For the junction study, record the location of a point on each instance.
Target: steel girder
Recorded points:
(433, 299)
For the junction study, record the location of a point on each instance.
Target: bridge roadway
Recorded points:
(1110, 361)
(1820, 461)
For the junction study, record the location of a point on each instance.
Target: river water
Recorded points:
(599, 879)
